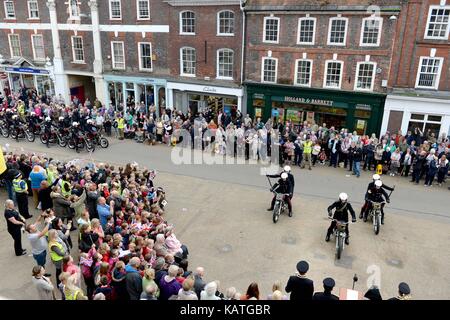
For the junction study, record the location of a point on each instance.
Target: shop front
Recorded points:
(15, 77)
(125, 92)
(405, 113)
(361, 112)
(198, 98)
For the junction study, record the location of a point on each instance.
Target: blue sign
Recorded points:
(27, 70)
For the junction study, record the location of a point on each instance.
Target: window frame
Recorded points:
(34, 49)
(278, 30)
(438, 75)
(181, 63)
(361, 38)
(11, 48)
(372, 84)
(72, 17)
(138, 10)
(218, 24)
(113, 60)
(110, 10)
(341, 74)
(296, 73)
(181, 23)
(29, 10)
(218, 76)
(447, 33)
(141, 68)
(262, 69)
(6, 10)
(345, 32)
(314, 30)
(74, 60)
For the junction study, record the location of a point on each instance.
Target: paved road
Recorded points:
(219, 212)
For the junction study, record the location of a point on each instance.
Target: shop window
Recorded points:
(371, 31)
(269, 70)
(118, 55)
(303, 73)
(271, 29)
(225, 23)
(306, 30)
(429, 72)
(14, 45)
(115, 10)
(143, 9)
(438, 23)
(188, 61)
(425, 122)
(33, 9)
(337, 31)
(333, 74)
(365, 74)
(187, 22)
(10, 11)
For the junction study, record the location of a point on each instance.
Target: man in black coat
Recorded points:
(404, 292)
(341, 210)
(326, 295)
(300, 287)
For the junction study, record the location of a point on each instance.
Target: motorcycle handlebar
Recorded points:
(341, 222)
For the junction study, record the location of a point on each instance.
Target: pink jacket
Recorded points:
(173, 244)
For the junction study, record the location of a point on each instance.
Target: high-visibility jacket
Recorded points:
(20, 186)
(307, 147)
(21, 109)
(64, 192)
(71, 295)
(50, 176)
(120, 123)
(55, 257)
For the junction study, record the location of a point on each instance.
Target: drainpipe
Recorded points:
(242, 7)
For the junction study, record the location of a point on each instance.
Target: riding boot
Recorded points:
(327, 238)
(347, 241)
(382, 217)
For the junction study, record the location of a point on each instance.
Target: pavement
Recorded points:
(219, 212)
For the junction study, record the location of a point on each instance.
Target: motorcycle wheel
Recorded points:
(30, 136)
(62, 142)
(71, 144)
(276, 212)
(376, 224)
(43, 138)
(14, 134)
(340, 247)
(90, 147)
(104, 143)
(5, 132)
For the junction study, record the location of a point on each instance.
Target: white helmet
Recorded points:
(15, 116)
(90, 121)
(378, 184)
(61, 118)
(284, 176)
(48, 119)
(287, 168)
(32, 113)
(75, 124)
(376, 177)
(343, 196)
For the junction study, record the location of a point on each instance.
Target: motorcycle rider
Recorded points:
(48, 129)
(376, 194)
(282, 186)
(291, 179)
(341, 210)
(371, 185)
(75, 133)
(16, 125)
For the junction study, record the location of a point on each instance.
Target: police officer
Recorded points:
(326, 295)
(404, 292)
(283, 186)
(342, 208)
(21, 189)
(376, 194)
(48, 130)
(371, 185)
(74, 132)
(121, 126)
(291, 179)
(300, 287)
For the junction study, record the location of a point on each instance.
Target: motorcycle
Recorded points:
(22, 131)
(340, 234)
(80, 142)
(4, 128)
(54, 137)
(375, 215)
(98, 139)
(280, 206)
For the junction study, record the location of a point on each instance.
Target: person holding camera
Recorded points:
(38, 240)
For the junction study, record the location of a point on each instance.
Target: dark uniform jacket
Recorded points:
(300, 288)
(342, 211)
(376, 195)
(324, 296)
(290, 178)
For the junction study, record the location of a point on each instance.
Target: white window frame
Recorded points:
(314, 30)
(218, 24)
(181, 23)
(262, 70)
(345, 32)
(428, 22)
(361, 38)
(11, 48)
(72, 17)
(113, 58)
(29, 10)
(110, 10)
(138, 15)
(217, 64)
(372, 84)
(6, 11)
(34, 49)
(326, 74)
(181, 63)
(296, 73)
(438, 76)
(425, 120)
(141, 67)
(74, 60)
(278, 30)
